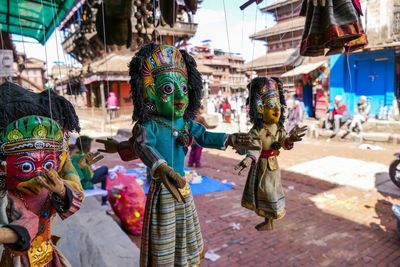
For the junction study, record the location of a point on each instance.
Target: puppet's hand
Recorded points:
(242, 141)
(52, 182)
(297, 133)
(246, 162)
(89, 159)
(171, 180)
(110, 145)
(30, 187)
(8, 236)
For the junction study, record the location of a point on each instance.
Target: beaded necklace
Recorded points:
(182, 136)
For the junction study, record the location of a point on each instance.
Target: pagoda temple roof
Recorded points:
(280, 28)
(270, 60)
(278, 3)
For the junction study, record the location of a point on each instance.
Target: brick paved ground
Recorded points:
(325, 225)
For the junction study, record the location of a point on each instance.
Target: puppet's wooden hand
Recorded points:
(242, 141)
(297, 134)
(110, 145)
(171, 180)
(246, 162)
(8, 236)
(52, 182)
(89, 159)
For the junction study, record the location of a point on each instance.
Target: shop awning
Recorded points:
(303, 69)
(33, 18)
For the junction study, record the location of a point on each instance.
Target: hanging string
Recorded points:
(348, 69)
(252, 54)
(241, 49)
(242, 42)
(56, 22)
(229, 49)
(226, 28)
(106, 60)
(47, 72)
(22, 36)
(63, 52)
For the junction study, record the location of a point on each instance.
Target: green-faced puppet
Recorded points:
(165, 83)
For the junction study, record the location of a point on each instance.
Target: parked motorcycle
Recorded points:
(394, 170)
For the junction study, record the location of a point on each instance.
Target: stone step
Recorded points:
(318, 133)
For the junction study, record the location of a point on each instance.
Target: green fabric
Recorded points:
(86, 174)
(33, 18)
(31, 127)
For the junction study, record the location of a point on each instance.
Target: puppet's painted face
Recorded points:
(23, 168)
(169, 94)
(271, 110)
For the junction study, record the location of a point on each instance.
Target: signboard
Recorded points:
(6, 63)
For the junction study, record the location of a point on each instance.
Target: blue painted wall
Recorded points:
(370, 73)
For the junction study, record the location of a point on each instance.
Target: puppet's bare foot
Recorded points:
(268, 225)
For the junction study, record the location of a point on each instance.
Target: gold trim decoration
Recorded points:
(29, 145)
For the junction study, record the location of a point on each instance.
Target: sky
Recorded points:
(211, 26)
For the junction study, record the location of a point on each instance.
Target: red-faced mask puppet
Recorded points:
(29, 146)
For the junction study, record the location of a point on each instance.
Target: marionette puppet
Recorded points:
(38, 180)
(263, 192)
(166, 90)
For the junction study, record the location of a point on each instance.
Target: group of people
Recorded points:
(229, 107)
(340, 116)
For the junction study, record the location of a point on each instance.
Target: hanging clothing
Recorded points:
(335, 26)
(171, 233)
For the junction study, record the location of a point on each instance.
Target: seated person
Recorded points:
(361, 114)
(82, 161)
(339, 114)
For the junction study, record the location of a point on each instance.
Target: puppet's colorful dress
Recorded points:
(263, 192)
(33, 140)
(171, 231)
(30, 218)
(335, 25)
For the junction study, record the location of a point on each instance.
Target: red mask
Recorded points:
(24, 167)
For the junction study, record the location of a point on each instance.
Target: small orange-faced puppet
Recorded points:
(263, 192)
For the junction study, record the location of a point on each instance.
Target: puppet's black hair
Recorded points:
(141, 111)
(17, 102)
(253, 88)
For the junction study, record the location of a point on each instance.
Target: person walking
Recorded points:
(196, 149)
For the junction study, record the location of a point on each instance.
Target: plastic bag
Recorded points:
(127, 198)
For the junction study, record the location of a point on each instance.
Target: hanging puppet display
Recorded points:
(166, 90)
(263, 192)
(332, 24)
(37, 177)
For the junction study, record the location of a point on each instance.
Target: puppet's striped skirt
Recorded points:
(171, 231)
